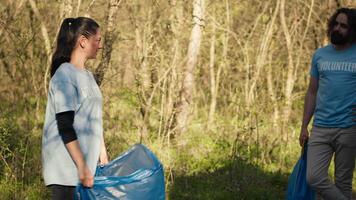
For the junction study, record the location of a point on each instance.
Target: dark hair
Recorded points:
(351, 20)
(68, 35)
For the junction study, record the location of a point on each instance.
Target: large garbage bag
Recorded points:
(135, 175)
(298, 188)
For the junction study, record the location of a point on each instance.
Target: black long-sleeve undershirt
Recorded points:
(65, 126)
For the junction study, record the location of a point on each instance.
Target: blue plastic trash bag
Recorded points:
(135, 175)
(298, 188)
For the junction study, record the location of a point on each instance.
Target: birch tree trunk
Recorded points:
(143, 47)
(186, 94)
(290, 72)
(212, 79)
(79, 2)
(142, 37)
(215, 79)
(262, 55)
(174, 85)
(272, 95)
(247, 60)
(66, 9)
(109, 38)
(47, 43)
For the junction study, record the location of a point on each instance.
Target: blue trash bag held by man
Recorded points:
(135, 175)
(298, 188)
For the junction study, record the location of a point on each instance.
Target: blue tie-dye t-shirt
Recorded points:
(71, 89)
(336, 97)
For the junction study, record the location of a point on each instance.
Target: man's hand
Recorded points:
(303, 137)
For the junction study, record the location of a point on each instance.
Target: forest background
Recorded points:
(214, 88)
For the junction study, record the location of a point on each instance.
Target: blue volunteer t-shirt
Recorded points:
(336, 71)
(71, 89)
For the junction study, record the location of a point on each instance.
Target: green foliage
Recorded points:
(20, 144)
(10, 149)
(31, 191)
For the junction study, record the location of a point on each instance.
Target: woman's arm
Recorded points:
(85, 175)
(66, 130)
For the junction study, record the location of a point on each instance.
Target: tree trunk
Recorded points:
(212, 79)
(272, 95)
(186, 94)
(66, 9)
(174, 84)
(247, 60)
(261, 57)
(109, 38)
(142, 38)
(290, 72)
(79, 2)
(47, 43)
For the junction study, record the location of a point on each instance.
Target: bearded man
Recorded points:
(331, 99)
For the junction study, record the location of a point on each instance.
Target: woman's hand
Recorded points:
(104, 160)
(85, 176)
(103, 154)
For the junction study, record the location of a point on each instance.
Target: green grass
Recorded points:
(236, 180)
(224, 162)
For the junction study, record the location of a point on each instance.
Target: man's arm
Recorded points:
(309, 107)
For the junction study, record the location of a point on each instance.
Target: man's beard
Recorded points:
(337, 38)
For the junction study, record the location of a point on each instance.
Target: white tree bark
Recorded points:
(290, 72)
(66, 9)
(174, 84)
(262, 56)
(272, 95)
(79, 2)
(213, 90)
(186, 98)
(47, 43)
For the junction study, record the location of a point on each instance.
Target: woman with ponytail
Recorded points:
(73, 143)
